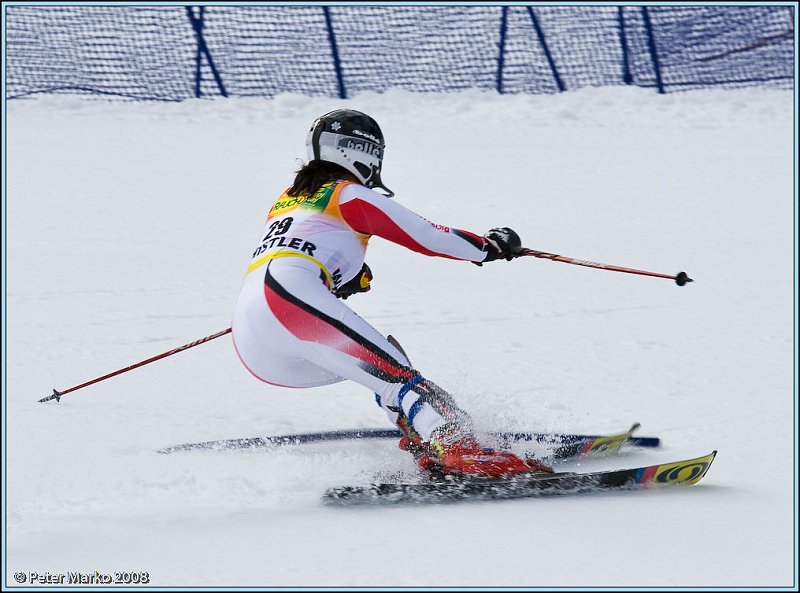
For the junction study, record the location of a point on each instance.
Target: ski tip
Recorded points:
(687, 472)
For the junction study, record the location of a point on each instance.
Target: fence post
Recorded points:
(651, 43)
(501, 58)
(198, 22)
(199, 55)
(337, 65)
(546, 50)
(627, 77)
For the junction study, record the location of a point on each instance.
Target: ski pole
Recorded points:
(57, 394)
(680, 279)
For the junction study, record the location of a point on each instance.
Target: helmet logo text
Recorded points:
(361, 145)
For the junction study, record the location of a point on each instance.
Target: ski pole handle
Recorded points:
(56, 395)
(680, 279)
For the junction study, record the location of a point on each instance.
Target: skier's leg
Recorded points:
(266, 348)
(331, 336)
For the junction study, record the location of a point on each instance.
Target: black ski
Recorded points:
(564, 445)
(453, 489)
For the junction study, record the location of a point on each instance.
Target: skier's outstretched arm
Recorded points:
(370, 213)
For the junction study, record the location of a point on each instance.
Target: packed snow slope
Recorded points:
(129, 228)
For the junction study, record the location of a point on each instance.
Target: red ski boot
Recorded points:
(457, 453)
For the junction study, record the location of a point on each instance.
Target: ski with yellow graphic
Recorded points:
(462, 488)
(583, 446)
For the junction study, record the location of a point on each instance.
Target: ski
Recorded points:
(565, 445)
(588, 445)
(453, 489)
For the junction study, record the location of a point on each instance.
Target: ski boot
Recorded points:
(451, 451)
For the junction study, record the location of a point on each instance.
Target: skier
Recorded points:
(290, 326)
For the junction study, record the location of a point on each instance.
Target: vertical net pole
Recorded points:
(651, 44)
(501, 57)
(627, 77)
(337, 65)
(546, 50)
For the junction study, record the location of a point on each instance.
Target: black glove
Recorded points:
(358, 283)
(503, 244)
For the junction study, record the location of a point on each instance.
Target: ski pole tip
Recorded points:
(56, 396)
(682, 279)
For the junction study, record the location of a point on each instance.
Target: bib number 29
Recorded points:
(279, 227)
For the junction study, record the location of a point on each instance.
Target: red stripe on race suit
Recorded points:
(368, 219)
(310, 325)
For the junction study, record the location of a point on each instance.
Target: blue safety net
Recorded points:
(177, 52)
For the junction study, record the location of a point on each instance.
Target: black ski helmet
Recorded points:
(352, 140)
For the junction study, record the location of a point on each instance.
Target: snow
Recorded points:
(128, 230)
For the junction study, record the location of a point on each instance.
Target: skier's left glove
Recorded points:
(502, 243)
(358, 283)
